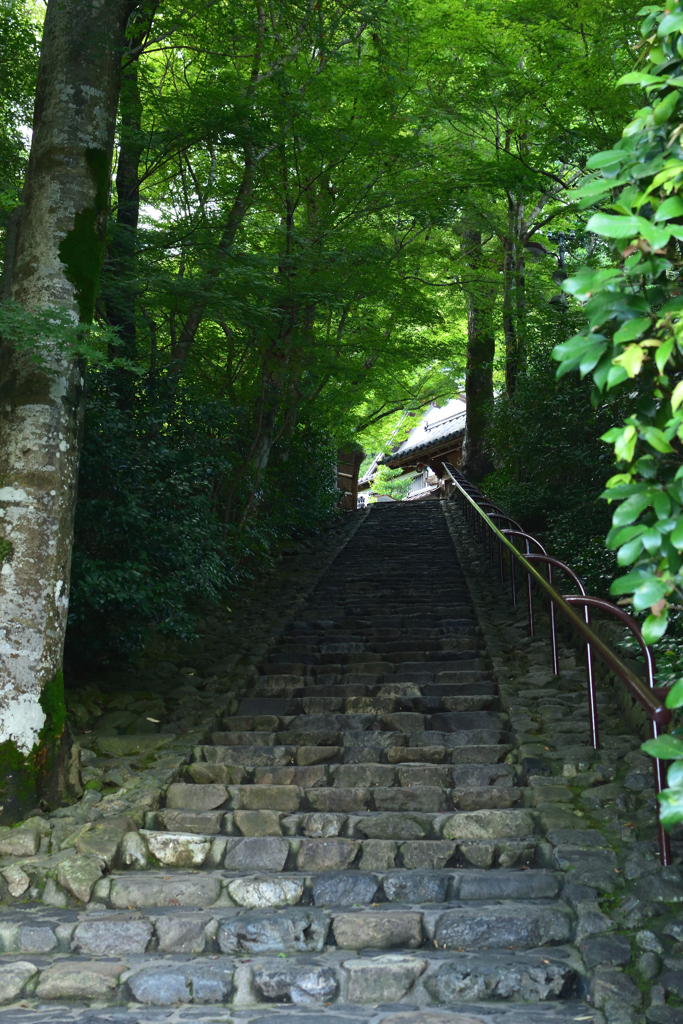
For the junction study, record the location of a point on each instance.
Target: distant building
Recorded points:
(436, 439)
(348, 464)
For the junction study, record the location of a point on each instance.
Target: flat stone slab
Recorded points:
(122, 746)
(504, 925)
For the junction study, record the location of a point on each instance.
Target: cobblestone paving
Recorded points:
(402, 822)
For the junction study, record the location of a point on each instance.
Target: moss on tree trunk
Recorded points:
(57, 263)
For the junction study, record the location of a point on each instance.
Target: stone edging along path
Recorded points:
(597, 807)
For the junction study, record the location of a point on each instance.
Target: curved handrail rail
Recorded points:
(647, 696)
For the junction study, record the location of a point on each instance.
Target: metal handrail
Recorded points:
(649, 697)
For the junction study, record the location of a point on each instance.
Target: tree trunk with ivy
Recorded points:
(57, 262)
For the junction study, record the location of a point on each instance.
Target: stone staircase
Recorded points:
(356, 844)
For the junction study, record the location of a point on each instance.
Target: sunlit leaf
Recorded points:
(654, 627)
(668, 748)
(616, 227)
(632, 329)
(674, 698)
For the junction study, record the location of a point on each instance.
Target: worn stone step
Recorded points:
(225, 890)
(495, 820)
(342, 978)
(462, 776)
(247, 929)
(467, 752)
(291, 797)
(408, 728)
(333, 841)
(263, 720)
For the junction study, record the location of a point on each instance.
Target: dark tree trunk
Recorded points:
(121, 262)
(481, 344)
(511, 367)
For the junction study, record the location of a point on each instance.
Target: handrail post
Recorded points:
(530, 598)
(553, 628)
(660, 784)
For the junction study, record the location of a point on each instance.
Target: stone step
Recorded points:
(297, 687)
(341, 654)
(411, 649)
(468, 752)
(248, 928)
(368, 667)
(255, 796)
(342, 978)
(430, 683)
(266, 714)
(313, 845)
(461, 776)
(227, 893)
(445, 729)
(227, 889)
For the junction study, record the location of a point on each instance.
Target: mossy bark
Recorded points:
(57, 263)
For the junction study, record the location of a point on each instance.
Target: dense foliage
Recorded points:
(153, 547)
(18, 66)
(316, 211)
(545, 441)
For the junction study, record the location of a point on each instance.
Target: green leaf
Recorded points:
(655, 438)
(664, 110)
(629, 510)
(670, 807)
(624, 442)
(613, 156)
(674, 775)
(631, 359)
(621, 535)
(624, 490)
(592, 189)
(627, 584)
(628, 552)
(663, 353)
(668, 748)
(633, 329)
(674, 698)
(588, 280)
(616, 375)
(652, 540)
(615, 227)
(634, 78)
(651, 591)
(670, 23)
(671, 207)
(658, 238)
(654, 627)
(677, 535)
(662, 505)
